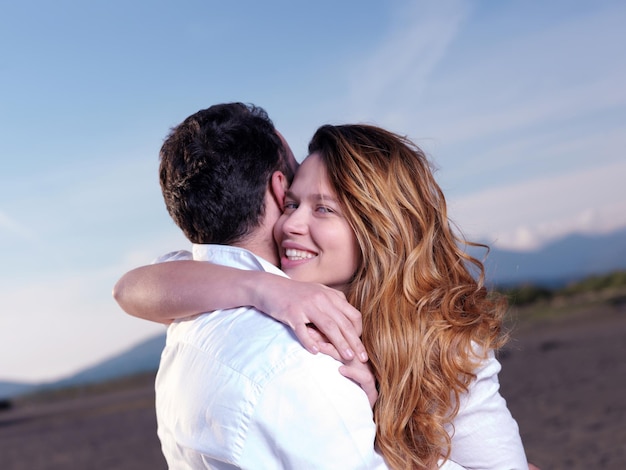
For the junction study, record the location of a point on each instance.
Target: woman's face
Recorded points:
(315, 241)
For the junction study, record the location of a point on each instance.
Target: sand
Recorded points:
(564, 381)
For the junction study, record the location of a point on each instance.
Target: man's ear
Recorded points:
(279, 185)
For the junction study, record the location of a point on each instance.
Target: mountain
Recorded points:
(569, 259)
(11, 389)
(143, 357)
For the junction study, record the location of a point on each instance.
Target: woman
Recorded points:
(364, 215)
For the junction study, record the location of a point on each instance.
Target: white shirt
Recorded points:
(235, 389)
(484, 434)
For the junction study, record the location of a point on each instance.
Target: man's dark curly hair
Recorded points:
(215, 168)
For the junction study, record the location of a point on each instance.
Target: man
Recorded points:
(235, 389)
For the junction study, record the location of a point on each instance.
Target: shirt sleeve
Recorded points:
(484, 434)
(311, 417)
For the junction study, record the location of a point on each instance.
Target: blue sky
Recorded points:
(521, 105)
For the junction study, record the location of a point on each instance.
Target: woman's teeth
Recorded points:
(295, 255)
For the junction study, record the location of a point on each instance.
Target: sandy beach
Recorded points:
(564, 380)
(565, 383)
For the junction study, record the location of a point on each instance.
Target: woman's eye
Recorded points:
(324, 210)
(290, 205)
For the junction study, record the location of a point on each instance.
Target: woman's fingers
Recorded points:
(299, 304)
(362, 374)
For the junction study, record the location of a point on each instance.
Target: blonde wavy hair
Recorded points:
(428, 320)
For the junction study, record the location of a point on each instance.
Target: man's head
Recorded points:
(216, 167)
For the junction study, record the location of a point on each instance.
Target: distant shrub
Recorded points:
(527, 294)
(5, 404)
(597, 283)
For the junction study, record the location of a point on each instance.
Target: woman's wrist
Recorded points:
(256, 286)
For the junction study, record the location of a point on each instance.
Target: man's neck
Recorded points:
(261, 240)
(262, 248)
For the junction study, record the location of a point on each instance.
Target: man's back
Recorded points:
(235, 389)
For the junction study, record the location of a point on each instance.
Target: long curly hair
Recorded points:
(428, 319)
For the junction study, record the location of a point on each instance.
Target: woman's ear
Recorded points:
(279, 185)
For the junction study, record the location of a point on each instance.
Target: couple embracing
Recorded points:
(346, 326)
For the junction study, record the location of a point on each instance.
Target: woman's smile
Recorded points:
(316, 241)
(297, 255)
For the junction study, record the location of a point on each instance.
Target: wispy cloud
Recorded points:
(556, 107)
(384, 84)
(533, 154)
(415, 82)
(390, 80)
(526, 215)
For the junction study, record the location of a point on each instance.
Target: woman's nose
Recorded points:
(296, 221)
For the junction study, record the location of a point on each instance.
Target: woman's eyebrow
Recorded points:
(314, 196)
(319, 197)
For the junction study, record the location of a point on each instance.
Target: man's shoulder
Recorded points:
(245, 340)
(250, 378)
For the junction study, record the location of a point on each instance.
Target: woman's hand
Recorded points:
(301, 304)
(355, 370)
(361, 373)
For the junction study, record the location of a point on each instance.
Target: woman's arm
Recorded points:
(163, 292)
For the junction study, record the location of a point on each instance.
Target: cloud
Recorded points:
(393, 76)
(529, 155)
(555, 107)
(435, 76)
(528, 214)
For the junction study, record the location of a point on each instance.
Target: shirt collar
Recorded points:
(235, 257)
